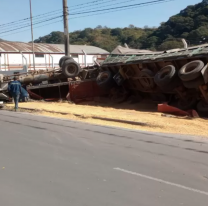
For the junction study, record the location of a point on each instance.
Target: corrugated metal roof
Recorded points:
(6, 46)
(77, 49)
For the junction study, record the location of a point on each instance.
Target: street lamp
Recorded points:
(31, 21)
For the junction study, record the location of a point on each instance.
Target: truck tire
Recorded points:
(105, 80)
(165, 76)
(63, 59)
(191, 71)
(194, 83)
(202, 108)
(147, 79)
(70, 68)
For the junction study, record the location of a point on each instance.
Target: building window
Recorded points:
(39, 55)
(74, 55)
(16, 73)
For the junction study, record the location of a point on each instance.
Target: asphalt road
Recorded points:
(55, 162)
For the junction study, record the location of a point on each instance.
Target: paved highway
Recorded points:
(51, 162)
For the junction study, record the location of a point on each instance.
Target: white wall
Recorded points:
(56, 58)
(11, 63)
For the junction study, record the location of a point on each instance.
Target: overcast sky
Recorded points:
(14, 10)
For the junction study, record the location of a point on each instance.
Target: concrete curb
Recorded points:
(86, 117)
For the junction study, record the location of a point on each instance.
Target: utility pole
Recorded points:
(66, 28)
(31, 21)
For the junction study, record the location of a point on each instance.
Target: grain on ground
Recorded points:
(156, 122)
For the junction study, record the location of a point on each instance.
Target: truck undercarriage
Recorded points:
(178, 77)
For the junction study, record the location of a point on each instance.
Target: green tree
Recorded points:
(116, 32)
(170, 45)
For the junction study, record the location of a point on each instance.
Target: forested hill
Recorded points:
(191, 24)
(102, 37)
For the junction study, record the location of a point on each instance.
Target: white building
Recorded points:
(17, 57)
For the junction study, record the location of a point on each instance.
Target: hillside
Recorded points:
(102, 37)
(191, 24)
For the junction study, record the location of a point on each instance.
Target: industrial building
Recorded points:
(17, 57)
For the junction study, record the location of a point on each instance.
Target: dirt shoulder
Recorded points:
(153, 120)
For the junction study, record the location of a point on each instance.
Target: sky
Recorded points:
(15, 10)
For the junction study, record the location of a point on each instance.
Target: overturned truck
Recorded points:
(52, 83)
(179, 76)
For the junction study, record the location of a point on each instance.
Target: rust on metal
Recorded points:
(84, 90)
(27, 47)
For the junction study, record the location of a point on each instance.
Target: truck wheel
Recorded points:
(165, 76)
(202, 108)
(63, 59)
(105, 80)
(147, 79)
(190, 103)
(194, 83)
(70, 68)
(191, 71)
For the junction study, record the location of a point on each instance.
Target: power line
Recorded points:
(34, 27)
(80, 17)
(149, 3)
(91, 2)
(10, 24)
(122, 2)
(113, 8)
(128, 6)
(25, 21)
(77, 5)
(86, 11)
(164, 1)
(60, 10)
(33, 24)
(28, 18)
(23, 24)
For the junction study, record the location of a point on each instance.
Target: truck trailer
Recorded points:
(178, 76)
